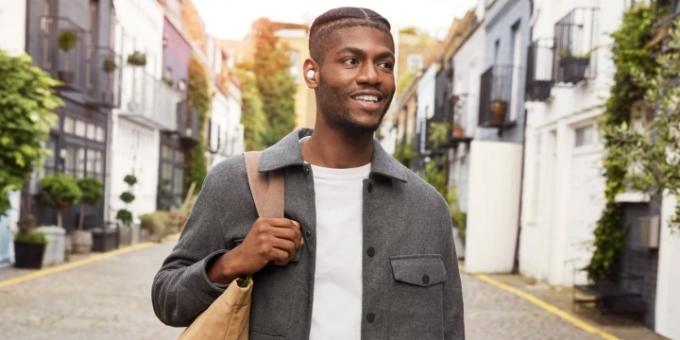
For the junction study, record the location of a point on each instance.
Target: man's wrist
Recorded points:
(225, 269)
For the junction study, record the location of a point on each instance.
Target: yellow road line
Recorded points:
(569, 317)
(72, 265)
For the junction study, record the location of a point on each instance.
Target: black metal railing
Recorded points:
(188, 122)
(495, 96)
(105, 77)
(666, 11)
(575, 41)
(63, 51)
(539, 69)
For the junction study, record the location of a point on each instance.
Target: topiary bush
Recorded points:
(60, 191)
(92, 190)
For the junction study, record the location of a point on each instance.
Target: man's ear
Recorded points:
(310, 71)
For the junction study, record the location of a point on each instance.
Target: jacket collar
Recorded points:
(286, 152)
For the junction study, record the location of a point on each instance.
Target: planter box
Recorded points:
(124, 236)
(104, 239)
(56, 245)
(28, 255)
(574, 68)
(81, 241)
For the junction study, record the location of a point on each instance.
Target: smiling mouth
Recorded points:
(367, 98)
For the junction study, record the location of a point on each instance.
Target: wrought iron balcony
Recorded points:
(539, 69)
(575, 41)
(495, 102)
(188, 119)
(105, 78)
(151, 101)
(62, 50)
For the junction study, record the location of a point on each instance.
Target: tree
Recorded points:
(253, 118)
(274, 82)
(60, 191)
(91, 189)
(200, 97)
(27, 104)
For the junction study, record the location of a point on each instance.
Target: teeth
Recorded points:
(367, 98)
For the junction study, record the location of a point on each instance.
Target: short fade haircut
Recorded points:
(342, 17)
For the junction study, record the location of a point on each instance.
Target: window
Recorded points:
(69, 125)
(101, 137)
(516, 71)
(91, 132)
(584, 136)
(80, 128)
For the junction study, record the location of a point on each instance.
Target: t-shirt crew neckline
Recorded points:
(358, 172)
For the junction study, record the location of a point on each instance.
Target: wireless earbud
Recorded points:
(310, 74)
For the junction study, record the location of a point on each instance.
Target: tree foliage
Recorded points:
(60, 191)
(274, 82)
(253, 118)
(200, 97)
(634, 59)
(27, 104)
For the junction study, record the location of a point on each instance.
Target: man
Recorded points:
(366, 250)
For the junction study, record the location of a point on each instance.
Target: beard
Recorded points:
(331, 101)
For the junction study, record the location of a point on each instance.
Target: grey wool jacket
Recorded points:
(411, 284)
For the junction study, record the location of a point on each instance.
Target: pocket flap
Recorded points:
(419, 270)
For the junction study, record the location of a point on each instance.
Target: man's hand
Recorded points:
(273, 240)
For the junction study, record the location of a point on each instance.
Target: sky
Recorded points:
(229, 19)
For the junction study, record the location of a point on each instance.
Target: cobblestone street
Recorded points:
(110, 299)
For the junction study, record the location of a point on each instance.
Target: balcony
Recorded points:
(150, 101)
(105, 78)
(495, 102)
(63, 52)
(188, 123)
(575, 40)
(539, 69)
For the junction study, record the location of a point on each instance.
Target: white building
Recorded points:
(425, 105)
(148, 106)
(563, 191)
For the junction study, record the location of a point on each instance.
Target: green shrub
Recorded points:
(124, 216)
(67, 40)
(127, 197)
(60, 191)
(27, 104)
(91, 189)
(137, 58)
(32, 236)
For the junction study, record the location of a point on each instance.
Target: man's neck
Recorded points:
(331, 148)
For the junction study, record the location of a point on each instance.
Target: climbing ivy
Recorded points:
(634, 60)
(200, 97)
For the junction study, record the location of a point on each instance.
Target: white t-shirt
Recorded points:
(336, 313)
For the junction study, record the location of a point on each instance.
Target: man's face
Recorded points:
(356, 80)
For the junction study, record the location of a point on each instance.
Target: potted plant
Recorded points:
(91, 189)
(499, 108)
(457, 131)
(109, 65)
(29, 244)
(136, 58)
(66, 41)
(60, 191)
(573, 65)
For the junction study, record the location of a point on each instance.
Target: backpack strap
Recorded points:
(266, 188)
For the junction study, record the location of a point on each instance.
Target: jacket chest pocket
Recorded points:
(416, 297)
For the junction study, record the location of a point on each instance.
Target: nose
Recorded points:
(368, 75)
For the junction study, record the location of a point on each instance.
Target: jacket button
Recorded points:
(308, 234)
(370, 251)
(370, 317)
(305, 169)
(369, 187)
(426, 279)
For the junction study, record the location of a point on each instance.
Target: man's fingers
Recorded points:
(279, 257)
(281, 222)
(288, 234)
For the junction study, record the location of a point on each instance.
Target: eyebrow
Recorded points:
(359, 52)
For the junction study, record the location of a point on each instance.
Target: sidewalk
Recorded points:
(560, 298)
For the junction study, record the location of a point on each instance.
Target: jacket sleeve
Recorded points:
(454, 327)
(181, 289)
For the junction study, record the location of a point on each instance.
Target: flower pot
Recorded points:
(65, 76)
(457, 132)
(104, 239)
(81, 241)
(574, 68)
(499, 108)
(28, 255)
(124, 235)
